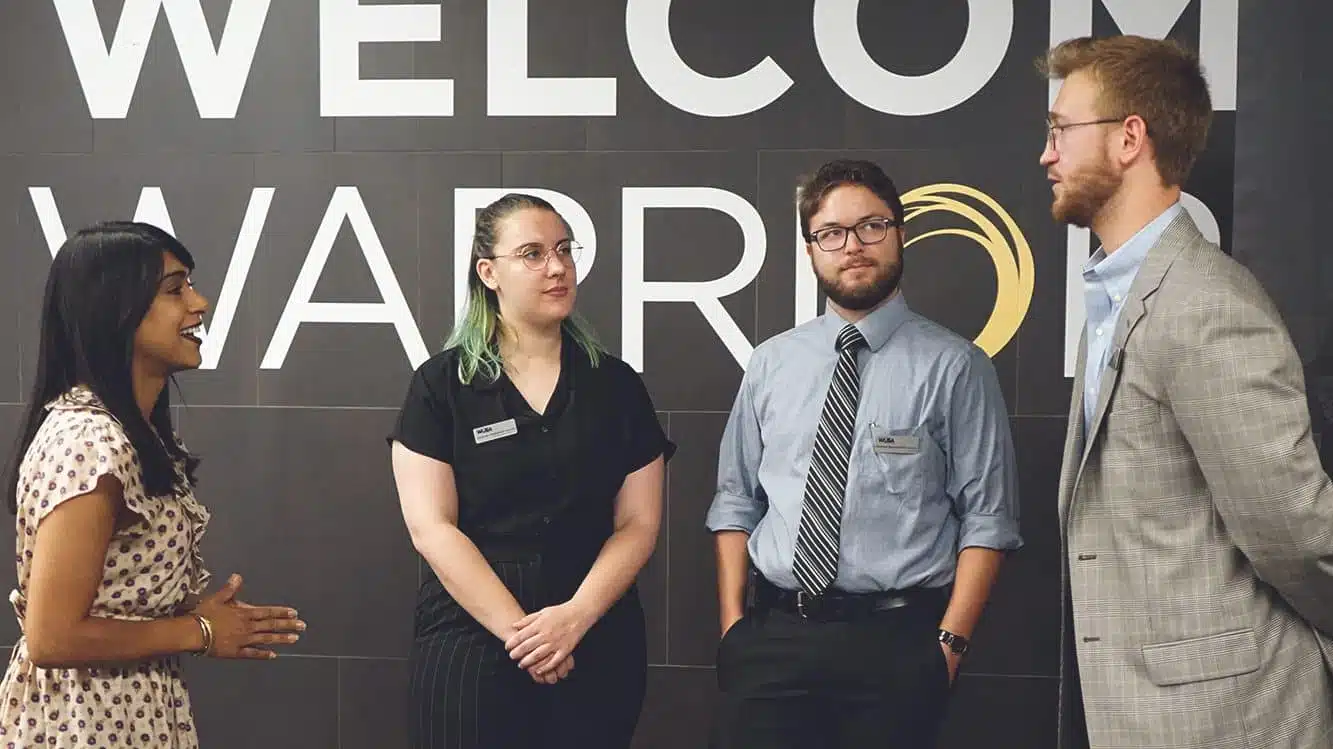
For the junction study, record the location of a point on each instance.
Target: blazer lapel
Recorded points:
(1178, 235)
(1073, 432)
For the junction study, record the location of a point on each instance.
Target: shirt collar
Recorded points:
(1117, 270)
(876, 327)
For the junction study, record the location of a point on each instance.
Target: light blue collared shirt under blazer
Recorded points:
(1106, 282)
(945, 482)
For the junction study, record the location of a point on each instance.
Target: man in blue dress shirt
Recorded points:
(866, 496)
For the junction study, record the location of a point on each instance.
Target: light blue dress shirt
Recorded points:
(910, 505)
(1106, 282)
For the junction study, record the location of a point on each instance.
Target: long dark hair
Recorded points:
(99, 288)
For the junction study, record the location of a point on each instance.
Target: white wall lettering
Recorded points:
(990, 25)
(706, 295)
(648, 31)
(344, 25)
(346, 205)
(109, 74)
(509, 90)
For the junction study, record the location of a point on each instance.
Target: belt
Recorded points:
(836, 605)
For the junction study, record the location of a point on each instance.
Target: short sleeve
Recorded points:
(425, 421)
(67, 462)
(644, 438)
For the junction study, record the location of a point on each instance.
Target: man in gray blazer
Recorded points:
(1196, 521)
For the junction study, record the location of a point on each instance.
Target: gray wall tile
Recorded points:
(290, 702)
(372, 702)
(693, 624)
(304, 509)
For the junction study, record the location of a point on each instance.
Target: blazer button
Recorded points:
(547, 520)
(545, 428)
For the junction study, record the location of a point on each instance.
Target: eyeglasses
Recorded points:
(1054, 129)
(870, 231)
(535, 258)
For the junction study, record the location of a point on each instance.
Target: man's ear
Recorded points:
(1134, 139)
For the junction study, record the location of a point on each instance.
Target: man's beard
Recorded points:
(1084, 194)
(863, 296)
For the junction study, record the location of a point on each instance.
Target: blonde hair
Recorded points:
(1159, 80)
(477, 335)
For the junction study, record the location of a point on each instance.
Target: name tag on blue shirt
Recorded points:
(897, 443)
(498, 430)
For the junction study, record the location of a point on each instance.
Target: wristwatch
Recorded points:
(957, 643)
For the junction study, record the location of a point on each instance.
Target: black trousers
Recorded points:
(880, 681)
(466, 693)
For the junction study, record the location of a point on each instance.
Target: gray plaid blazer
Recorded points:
(1196, 522)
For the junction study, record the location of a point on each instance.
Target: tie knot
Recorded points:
(850, 339)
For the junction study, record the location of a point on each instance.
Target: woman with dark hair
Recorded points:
(109, 571)
(529, 464)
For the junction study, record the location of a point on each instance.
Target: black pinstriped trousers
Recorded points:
(466, 693)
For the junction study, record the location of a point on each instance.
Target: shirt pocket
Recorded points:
(905, 461)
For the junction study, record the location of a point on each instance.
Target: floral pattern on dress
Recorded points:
(153, 569)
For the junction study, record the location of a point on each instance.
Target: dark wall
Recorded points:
(1283, 159)
(267, 166)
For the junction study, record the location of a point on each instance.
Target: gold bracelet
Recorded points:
(207, 628)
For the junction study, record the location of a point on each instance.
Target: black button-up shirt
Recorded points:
(543, 484)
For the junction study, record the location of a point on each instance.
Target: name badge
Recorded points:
(900, 444)
(498, 430)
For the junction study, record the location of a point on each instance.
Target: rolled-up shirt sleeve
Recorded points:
(983, 472)
(739, 503)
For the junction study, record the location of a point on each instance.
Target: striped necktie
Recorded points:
(816, 560)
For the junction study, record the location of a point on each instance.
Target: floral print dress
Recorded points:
(153, 569)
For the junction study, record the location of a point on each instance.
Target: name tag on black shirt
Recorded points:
(898, 443)
(498, 430)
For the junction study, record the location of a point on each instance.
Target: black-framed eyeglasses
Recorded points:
(536, 258)
(1055, 129)
(870, 231)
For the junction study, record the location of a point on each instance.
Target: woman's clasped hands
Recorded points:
(543, 642)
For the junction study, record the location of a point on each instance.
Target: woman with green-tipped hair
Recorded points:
(529, 464)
